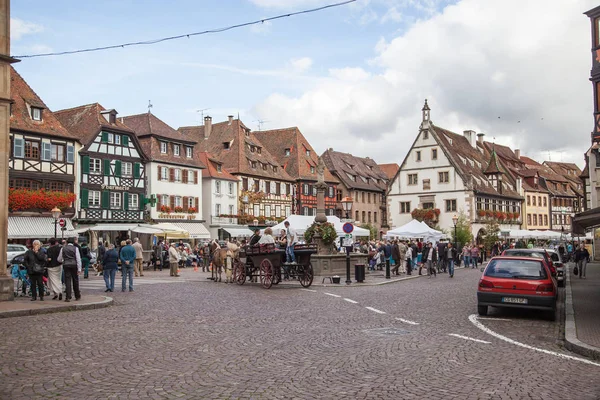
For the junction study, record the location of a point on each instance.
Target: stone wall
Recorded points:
(335, 264)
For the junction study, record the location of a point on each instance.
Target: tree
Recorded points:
(463, 230)
(372, 230)
(492, 229)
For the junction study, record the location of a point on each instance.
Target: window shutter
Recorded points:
(104, 137)
(85, 164)
(184, 176)
(106, 167)
(46, 151)
(125, 140)
(118, 168)
(278, 188)
(84, 198)
(267, 187)
(172, 200)
(19, 148)
(195, 177)
(105, 200)
(70, 154)
(137, 167)
(245, 183)
(142, 199)
(197, 204)
(185, 203)
(171, 174)
(159, 201)
(125, 201)
(159, 173)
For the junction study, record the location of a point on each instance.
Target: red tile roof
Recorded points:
(231, 142)
(390, 169)
(22, 95)
(355, 172)
(298, 164)
(211, 170)
(530, 161)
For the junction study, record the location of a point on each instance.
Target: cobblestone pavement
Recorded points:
(586, 299)
(196, 340)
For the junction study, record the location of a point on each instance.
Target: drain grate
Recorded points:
(387, 331)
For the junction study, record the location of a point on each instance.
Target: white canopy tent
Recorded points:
(414, 230)
(301, 223)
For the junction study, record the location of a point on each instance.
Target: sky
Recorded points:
(353, 78)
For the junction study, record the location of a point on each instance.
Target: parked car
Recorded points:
(534, 253)
(517, 282)
(13, 250)
(559, 265)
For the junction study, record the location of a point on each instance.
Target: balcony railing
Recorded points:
(223, 220)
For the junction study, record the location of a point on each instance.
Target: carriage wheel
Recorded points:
(266, 273)
(306, 275)
(239, 273)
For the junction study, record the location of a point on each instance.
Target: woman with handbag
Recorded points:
(35, 262)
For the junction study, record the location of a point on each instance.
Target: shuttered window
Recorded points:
(85, 164)
(118, 168)
(70, 154)
(106, 167)
(105, 201)
(137, 168)
(18, 147)
(84, 198)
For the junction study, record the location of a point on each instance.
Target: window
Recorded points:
(163, 148)
(232, 212)
(178, 201)
(217, 186)
(164, 199)
(314, 190)
(312, 170)
(369, 198)
(539, 200)
(528, 219)
(110, 137)
(413, 179)
(307, 153)
(19, 143)
(545, 219)
(418, 155)
(443, 177)
(24, 184)
(252, 148)
(274, 168)
(533, 200)
(534, 219)
(177, 175)
(117, 139)
(70, 154)
(57, 152)
(176, 149)
(126, 169)
(267, 211)
(94, 198)
(32, 149)
(227, 146)
(134, 201)
(230, 187)
(425, 135)
(55, 186)
(264, 166)
(164, 174)
(528, 200)
(305, 189)
(426, 184)
(191, 203)
(219, 168)
(369, 217)
(434, 154)
(404, 207)
(428, 206)
(36, 114)
(375, 216)
(356, 217)
(363, 197)
(287, 152)
(330, 191)
(95, 166)
(450, 205)
(115, 200)
(190, 177)
(188, 152)
(253, 164)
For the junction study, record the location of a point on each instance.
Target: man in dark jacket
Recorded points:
(450, 257)
(441, 265)
(71, 259)
(582, 257)
(255, 238)
(429, 259)
(110, 263)
(396, 257)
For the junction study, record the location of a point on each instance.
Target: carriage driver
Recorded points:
(292, 239)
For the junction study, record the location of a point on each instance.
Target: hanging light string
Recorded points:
(188, 35)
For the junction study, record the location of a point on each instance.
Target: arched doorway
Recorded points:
(480, 236)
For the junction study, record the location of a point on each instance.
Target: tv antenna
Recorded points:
(260, 123)
(202, 115)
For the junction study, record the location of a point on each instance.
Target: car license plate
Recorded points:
(516, 300)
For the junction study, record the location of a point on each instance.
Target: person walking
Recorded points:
(396, 258)
(127, 259)
(474, 256)
(441, 251)
(292, 238)
(54, 269)
(85, 259)
(71, 260)
(582, 257)
(408, 260)
(173, 260)
(430, 259)
(110, 262)
(100, 257)
(35, 262)
(158, 255)
(450, 256)
(466, 255)
(138, 266)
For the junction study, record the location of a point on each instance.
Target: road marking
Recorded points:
(309, 290)
(375, 310)
(494, 319)
(351, 301)
(468, 338)
(333, 295)
(473, 319)
(407, 321)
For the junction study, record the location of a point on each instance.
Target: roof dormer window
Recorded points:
(307, 153)
(176, 149)
(36, 113)
(252, 148)
(219, 168)
(312, 170)
(258, 150)
(226, 145)
(274, 168)
(287, 152)
(163, 147)
(188, 152)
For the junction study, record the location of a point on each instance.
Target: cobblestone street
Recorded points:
(198, 339)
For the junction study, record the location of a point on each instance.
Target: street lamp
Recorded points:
(347, 206)
(55, 214)
(454, 221)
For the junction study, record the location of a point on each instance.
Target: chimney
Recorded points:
(518, 153)
(207, 126)
(230, 119)
(470, 136)
(480, 137)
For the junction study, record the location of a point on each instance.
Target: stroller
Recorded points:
(22, 282)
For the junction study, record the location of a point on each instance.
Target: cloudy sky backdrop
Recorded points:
(352, 78)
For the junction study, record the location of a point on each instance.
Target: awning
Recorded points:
(37, 228)
(238, 231)
(585, 220)
(197, 230)
(113, 227)
(171, 231)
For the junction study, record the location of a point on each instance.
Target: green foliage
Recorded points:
(492, 230)
(372, 230)
(463, 230)
(326, 230)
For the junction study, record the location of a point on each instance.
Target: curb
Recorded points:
(571, 342)
(50, 310)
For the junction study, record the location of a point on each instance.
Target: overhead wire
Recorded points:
(164, 39)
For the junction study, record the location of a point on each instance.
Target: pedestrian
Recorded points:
(292, 238)
(84, 251)
(415, 254)
(54, 269)
(474, 256)
(430, 257)
(408, 260)
(158, 255)
(466, 255)
(138, 266)
(35, 262)
(173, 260)
(450, 256)
(127, 259)
(582, 257)
(396, 257)
(100, 258)
(71, 260)
(441, 251)
(110, 263)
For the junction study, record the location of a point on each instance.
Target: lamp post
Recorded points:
(347, 206)
(454, 221)
(55, 214)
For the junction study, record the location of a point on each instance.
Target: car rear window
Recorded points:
(517, 269)
(554, 256)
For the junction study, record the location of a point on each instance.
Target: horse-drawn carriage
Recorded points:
(267, 263)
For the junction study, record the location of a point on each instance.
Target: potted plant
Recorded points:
(481, 213)
(178, 209)
(191, 210)
(165, 209)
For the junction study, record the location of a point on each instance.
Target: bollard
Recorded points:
(348, 278)
(387, 269)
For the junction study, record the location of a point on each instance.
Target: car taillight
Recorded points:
(545, 288)
(485, 284)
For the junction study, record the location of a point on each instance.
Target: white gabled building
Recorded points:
(448, 174)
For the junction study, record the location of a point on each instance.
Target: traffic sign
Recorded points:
(62, 222)
(348, 227)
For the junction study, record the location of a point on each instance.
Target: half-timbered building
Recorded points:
(43, 161)
(112, 173)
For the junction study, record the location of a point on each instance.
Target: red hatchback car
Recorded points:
(517, 282)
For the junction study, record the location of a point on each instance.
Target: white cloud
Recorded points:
(19, 28)
(475, 61)
(392, 15)
(301, 64)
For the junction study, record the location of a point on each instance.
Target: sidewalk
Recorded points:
(23, 306)
(582, 324)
